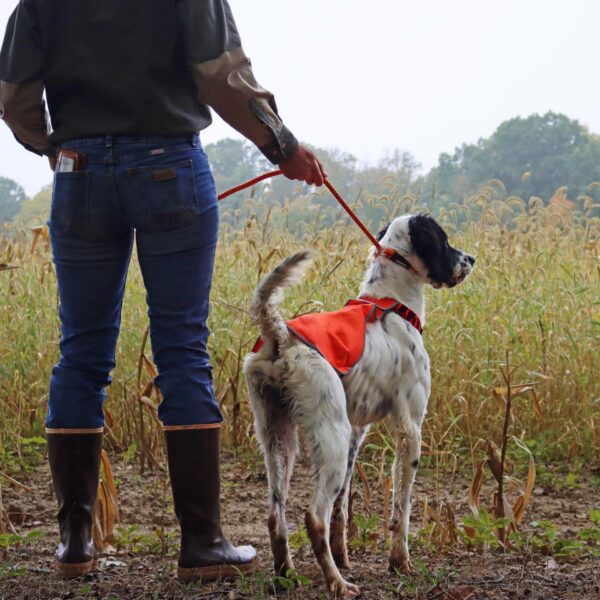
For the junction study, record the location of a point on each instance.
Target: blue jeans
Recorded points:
(161, 189)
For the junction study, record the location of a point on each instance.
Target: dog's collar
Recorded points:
(381, 306)
(397, 258)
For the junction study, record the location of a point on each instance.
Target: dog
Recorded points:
(292, 386)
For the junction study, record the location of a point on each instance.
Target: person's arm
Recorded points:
(225, 82)
(21, 83)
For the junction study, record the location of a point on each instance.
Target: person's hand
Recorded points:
(52, 161)
(303, 165)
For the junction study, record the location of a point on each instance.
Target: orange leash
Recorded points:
(251, 182)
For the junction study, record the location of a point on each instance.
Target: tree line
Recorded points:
(532, 156)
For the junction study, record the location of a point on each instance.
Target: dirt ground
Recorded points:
(141, 564)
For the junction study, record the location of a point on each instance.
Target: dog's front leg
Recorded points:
(408, 451)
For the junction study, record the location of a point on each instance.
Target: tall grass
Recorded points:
(534, 293)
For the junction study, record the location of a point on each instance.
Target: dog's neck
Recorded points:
(385, 281)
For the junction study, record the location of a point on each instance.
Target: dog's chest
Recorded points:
(392, 376)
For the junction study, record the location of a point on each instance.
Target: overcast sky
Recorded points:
(423, 76)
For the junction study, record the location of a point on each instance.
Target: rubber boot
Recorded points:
(205, 553)
(75, 466)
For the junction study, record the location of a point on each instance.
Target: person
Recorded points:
(128, 86)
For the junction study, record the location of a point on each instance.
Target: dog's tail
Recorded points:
(269, 294)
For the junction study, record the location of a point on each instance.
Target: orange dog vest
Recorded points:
(339, 336)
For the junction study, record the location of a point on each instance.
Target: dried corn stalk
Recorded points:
(5, 525)
(40, 231)
(441, 515)
(501, 507)
(106, 510)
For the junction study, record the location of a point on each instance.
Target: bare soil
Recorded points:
(138, 567)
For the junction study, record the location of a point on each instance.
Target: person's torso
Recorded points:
(116, 67)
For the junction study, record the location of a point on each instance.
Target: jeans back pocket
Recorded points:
(166, 195)
(70, 210)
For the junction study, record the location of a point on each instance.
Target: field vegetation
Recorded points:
(533, 296)
(514, 360)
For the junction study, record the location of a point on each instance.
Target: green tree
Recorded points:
(35, 211)
(11, 195)
(236, 161)
(233, 162)
(554, 150)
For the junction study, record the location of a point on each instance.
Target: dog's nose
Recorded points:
(470, 259)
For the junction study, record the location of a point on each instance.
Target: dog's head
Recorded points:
(424, 244)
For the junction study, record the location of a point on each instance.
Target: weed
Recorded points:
(11, 570)
(547, 541)
(481, 531)
(132, 540)
(299, 540)
(14, 540)
(259, 586)
(422, 582)
(291, 581)
(366, 532)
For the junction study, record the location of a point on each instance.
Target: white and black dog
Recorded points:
(292, 386)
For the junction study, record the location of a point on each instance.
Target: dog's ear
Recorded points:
(430, 243)
(380, 235)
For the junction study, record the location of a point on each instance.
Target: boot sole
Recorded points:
(213, 572)
(71, 570)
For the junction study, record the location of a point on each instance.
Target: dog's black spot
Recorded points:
(380, 235)
(412, 347)
(415, 463)
(272, 394)
(430, 244)
(384, 408)
(276, 498)
(384, 325)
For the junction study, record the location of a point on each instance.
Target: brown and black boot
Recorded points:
(205, 553)
(74, 457)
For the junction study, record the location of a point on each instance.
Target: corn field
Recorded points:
(532, 298)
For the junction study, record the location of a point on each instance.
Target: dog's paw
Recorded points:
(339, 588)
(400, 564)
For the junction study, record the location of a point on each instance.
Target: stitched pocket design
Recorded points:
(166, 193)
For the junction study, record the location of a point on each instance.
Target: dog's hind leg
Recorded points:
(320, 406)
(408, 451)
(339, 518)
(277, 436)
